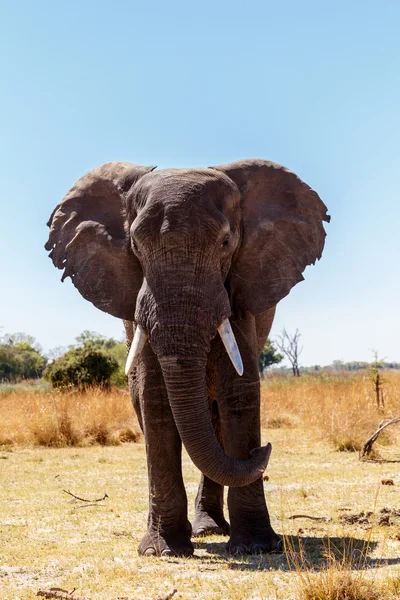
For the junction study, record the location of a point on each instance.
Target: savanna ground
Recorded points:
(51, 442)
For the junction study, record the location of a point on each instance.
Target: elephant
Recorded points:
(194, 261)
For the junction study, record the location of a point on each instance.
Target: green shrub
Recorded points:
(119, 352)
(20, 358)
(81, 367)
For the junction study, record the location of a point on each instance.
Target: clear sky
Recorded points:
(312, 85)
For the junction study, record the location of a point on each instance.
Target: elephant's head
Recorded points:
(178, 252)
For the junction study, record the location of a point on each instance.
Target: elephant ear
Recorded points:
(282, 233)
(89, 241)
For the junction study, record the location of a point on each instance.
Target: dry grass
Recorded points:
(40, 418)
(49, 539)
(342, 409)
(342, 576)
(341, 583)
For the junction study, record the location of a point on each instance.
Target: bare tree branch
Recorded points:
(368, 444)
(289, 345)
(167, 596)
(322, 519)
(83, 499)
(60, 594)
(55, 592)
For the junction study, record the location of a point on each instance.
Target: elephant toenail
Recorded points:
(167, 552)
(258, 549)
(200, 532)
(150, 552)
(239, 550)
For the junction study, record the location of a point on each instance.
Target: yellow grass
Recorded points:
(49, 539)
(339, 408)
(342, 576)
(51, 441)
(66, 419)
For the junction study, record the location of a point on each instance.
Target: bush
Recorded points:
(119, 379)
(82, 367)
(112, 347)
(268, 357)
(20, 358)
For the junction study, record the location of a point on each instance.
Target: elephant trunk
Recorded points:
(185, 379)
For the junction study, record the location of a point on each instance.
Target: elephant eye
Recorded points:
(225, 242)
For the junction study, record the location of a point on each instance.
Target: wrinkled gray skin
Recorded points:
(178, 251)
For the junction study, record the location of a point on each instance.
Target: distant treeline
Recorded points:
(94, 359)
(339, 366)
(21, 358)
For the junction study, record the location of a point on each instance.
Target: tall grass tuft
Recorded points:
(73, 418)
(344, 575)
(340, 408)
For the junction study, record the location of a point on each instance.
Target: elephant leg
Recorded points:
(239, 408)
(209, 504)
(209, 507)
(251, 530)
(168, 528)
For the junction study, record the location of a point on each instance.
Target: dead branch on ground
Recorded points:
(323, 519)
(366, 449)
(60, 594)
(55, 592)
(83, 499)
(167, 596)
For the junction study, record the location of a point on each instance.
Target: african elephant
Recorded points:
(179, 255)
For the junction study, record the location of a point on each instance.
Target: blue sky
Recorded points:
(312, 85)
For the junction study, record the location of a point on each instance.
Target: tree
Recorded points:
(116, 349)
(95, 339)
(81, 367)
(94, 360)
(20, 357)
(56, 352)
(8, 363)
(269, 356)
(377, 381)
(289, 345)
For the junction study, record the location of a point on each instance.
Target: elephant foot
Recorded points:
(168, 543)
(209, 524)
(260, 542)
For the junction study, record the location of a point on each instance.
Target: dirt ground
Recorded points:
(49, 539)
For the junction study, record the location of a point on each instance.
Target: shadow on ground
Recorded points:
(306, 552)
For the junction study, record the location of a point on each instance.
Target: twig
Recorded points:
(83, 499)
(55, 592)
(61, 594)
(324, 519)
(167, 596)
(368, 444)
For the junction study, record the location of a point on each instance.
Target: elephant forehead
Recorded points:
(186, 186)
(177, 198)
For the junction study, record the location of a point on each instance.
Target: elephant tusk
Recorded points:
(138, 342)
(228, 339)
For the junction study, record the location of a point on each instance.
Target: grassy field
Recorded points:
(50, 539)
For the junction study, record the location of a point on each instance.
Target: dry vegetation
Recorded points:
(49, 539)
(57, 419)
(339, 408)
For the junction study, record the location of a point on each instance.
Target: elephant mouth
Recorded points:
(224, 329)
